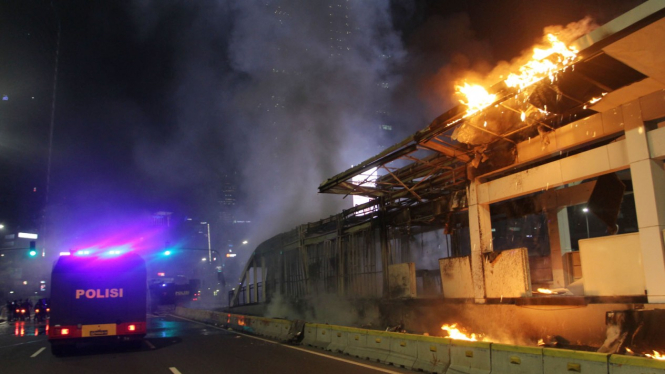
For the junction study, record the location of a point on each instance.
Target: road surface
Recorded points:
(173, 345)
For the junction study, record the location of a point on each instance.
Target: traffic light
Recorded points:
(33, 249)
(167, 249)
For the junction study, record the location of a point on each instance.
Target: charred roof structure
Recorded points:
(434, 161)
(488, 206)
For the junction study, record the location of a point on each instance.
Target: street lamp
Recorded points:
(586, 217)
(209, 247)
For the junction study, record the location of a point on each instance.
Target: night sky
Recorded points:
(157, 101)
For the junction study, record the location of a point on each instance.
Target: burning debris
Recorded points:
(656, 355)
(554, 292)
(460, 334)
(398, 328)
(640, 329)
(553, 341)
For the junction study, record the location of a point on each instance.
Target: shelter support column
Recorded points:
(341, 271)
(247, 283)
(385, 248)
(264, 271)
(557, 248)
(480, 230)
(256, 282)
(648, 177)
(564, 230)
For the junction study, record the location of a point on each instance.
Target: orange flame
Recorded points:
(455, 333)
(545, 290)
(656, 356)
(477, 97)
(545, 62)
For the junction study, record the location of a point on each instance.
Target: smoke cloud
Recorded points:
(309, 108)
(285, 93)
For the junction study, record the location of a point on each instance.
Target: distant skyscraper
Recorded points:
(227, 200)
(343, 35)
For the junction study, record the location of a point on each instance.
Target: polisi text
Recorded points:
(99, 293)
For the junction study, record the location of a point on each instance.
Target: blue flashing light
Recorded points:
(82, 253)
(167, 253)
(32, 253)
(115, 252)
(65, 253)
(163, 284)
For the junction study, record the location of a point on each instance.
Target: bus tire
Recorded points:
(61, 349)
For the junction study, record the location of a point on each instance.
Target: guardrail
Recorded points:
(431, 354)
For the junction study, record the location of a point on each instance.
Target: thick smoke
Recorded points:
(288, 93)
(316, 78)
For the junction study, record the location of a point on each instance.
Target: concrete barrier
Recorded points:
(377, 346)
(277, 328)
(403, 350)
(433, 354)
(323, 337)
(356, 343)
(261, 326)
(512, 359)
(309, 334)
(339, 338)
(282, 327)
(470, 357)
(245, 324)
(219, 319)
(567, 361)
(182, 312)
(621, 364)
(237, 322)
(195, 314)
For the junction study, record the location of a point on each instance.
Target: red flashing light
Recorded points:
(131, 328)
(64, 332)
(160, 274)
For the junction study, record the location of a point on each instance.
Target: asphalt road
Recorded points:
(173, 345)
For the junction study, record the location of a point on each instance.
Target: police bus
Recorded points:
(96, 298)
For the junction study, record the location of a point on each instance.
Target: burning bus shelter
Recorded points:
(475, 210)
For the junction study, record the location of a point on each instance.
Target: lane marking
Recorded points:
(147, 342)
(174, 370)
(296, 348)
(14, 345)
(38, 352)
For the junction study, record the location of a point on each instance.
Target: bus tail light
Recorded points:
(131, 328)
